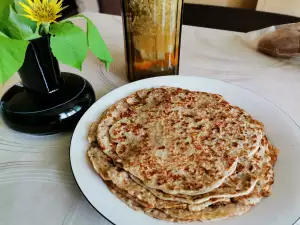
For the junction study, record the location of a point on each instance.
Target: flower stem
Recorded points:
(44, 29)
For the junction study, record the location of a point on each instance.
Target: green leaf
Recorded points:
(4, 13)
(17, 26)
(18, 8)
(68, 43)
(21, 11)
(33, 36)
(96, 43)
(4, 4)
(2, 34)
(12, 54)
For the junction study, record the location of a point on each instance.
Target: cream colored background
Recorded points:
(288, 7)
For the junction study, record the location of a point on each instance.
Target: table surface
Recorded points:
(36, 182)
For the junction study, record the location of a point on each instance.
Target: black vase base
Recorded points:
(41, 114)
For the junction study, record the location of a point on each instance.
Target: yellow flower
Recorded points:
(43, 11)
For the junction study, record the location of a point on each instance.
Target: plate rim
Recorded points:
(168, 77)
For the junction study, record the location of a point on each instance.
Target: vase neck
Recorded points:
(40, 70)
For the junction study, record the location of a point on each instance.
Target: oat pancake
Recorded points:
(241, 182)
(178, 141)
(212, 212)
(158, 214)
(182, 156)
(122, 180)
(216, 212)
(264, 185)
(220, 192)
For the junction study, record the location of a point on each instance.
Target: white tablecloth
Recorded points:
(36, 182)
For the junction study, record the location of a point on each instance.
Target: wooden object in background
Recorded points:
(224, 18)
(248, 4)
(288, 7)
(110, 6)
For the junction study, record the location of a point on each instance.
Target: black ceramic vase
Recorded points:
(46, 101)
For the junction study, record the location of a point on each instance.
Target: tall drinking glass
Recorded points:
(152, 32)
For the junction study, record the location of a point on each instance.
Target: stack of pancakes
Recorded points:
(182, 155)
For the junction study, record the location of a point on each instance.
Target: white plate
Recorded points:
(282, 208)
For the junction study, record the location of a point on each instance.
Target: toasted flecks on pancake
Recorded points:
(241, 182)
(182, 156)
(178, 141)
(122, 180)
(214, 212)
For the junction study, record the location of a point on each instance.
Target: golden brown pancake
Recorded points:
(178, 141)
(182, 156)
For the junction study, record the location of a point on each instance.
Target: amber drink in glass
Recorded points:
(152, 31)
